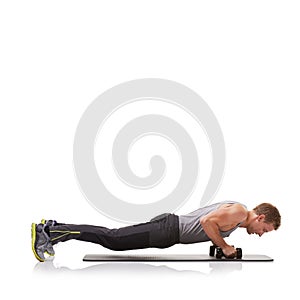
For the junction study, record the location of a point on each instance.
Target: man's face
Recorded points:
(258, 226)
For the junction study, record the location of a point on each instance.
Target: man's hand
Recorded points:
(229, 251)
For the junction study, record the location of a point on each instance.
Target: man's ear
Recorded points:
(261, 218)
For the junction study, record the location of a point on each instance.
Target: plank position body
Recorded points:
(211, 223)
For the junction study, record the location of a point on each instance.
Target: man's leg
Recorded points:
(160, 234)
(126, 238)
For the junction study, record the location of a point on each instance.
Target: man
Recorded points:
(213, 222)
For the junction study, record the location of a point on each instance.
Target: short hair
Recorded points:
(271, 213)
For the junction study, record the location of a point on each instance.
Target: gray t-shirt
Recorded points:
(190, 229)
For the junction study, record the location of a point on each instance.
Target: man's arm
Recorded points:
(223, 219)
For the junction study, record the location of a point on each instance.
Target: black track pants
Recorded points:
(159, 233)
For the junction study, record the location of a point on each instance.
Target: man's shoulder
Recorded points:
(239, 210)
(234, 207)
(230, 203)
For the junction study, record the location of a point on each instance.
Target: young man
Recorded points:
(210, 223)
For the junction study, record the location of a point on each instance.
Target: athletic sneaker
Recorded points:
(49, 248)
(40, 241)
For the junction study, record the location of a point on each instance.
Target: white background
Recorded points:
(241, 57)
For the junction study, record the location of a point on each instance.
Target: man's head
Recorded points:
(266, 218)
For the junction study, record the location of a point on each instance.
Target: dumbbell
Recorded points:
(212, 249)
(220, 254)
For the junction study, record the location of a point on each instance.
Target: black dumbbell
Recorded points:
(239, 253)
(220, 254)
(212, 249)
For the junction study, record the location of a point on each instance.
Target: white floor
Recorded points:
(175, 280)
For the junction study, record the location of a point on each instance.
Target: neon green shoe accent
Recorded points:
(50, 254)
(63, 233)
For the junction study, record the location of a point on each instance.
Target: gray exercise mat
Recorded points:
(172, 257)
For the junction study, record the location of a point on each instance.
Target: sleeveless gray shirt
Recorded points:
(190, 229)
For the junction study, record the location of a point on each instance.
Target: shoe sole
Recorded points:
(33, 236)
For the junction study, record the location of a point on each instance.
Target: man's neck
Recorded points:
(251, 215)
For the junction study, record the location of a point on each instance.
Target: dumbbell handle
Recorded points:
(220, 254)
